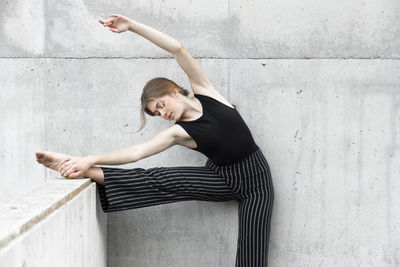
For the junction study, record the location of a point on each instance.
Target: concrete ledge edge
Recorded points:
(24, 211)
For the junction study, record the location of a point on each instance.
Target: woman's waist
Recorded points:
(254, 160)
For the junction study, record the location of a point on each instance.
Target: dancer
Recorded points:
(236, 168)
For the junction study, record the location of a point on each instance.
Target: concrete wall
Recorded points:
(317, 82)
(58, 224)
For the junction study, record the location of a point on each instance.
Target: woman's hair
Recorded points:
(156, 87)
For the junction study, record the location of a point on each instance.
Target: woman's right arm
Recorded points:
(160, 142)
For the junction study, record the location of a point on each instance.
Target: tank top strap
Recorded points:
(212, 100)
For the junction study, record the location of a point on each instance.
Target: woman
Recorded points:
(236, 168)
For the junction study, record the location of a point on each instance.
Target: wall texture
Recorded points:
(317, 82)
(58, 224)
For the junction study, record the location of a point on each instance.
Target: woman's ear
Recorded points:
(175, 92)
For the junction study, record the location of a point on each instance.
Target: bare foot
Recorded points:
(51, 160)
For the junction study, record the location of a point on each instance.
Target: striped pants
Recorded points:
(247, 181)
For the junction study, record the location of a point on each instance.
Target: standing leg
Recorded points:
(254, 229)
(251, 181)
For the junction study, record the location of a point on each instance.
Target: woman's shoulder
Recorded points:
(212, 93)
(182, 137)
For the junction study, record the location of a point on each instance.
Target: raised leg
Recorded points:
(53, 160)
(96, 174)
(138, 187)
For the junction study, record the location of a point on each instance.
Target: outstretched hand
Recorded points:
(74, 167)
(117, 23)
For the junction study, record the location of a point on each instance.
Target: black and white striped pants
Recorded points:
(247, 181)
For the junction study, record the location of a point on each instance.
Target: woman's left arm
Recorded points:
(155, 36)
(198, 79)
(119, 24)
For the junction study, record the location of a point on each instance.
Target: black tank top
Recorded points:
(220, 133)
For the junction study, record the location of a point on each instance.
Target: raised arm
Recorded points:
(119, 24)
(197, 77)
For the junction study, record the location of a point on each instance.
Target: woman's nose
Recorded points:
(163, 112)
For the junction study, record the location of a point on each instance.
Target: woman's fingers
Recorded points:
(76, 174)
(69, 171)
(65, 167)
(113, 22)
(66, 159)
(106, 23)
(66, 163)
(72, 172)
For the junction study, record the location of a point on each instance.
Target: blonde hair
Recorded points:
(156, 87)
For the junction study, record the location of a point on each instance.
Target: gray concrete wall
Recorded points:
(317, 82)
(58, 224)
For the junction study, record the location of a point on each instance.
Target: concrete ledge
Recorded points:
(24, 211)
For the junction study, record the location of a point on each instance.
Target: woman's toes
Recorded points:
(39, 155)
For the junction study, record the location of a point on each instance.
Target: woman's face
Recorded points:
(167, 107)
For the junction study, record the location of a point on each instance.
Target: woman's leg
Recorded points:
(53, 160)
(125, 189)
(254, 229)
(96, 174)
